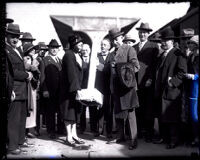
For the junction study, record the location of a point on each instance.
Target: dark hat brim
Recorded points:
(145, 29)
(117, 35)
(31, 39)
(184, 37)
(15, 33)
(29, 49)
(9, 20)
(73, 44)
(51, 46)
(170, 37)
(155, 40)
(132, 40)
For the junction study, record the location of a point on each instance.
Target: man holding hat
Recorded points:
(71, 80)
(50, 87)
(17, 110)
(146, 52)
(168, 88)
(124, 64)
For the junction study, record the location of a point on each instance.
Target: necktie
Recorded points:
(140, 46)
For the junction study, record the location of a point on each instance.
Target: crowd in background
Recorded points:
(155, 80)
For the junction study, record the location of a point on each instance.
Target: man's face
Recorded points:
(53, 51)
(192, 46)
(130, 43)
(86, 53)
(78, 47)
(143, 35)
(13, 39)
(105, 46)
(26, 42)
(166, 44)
(118, 41)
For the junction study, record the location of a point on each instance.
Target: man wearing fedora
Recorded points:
(26, 38)
(50, 69)
(129, 40)
(146, 53)
(8, 95)
(124, 64)
(71, 80)
(17, 111)
(168, 88)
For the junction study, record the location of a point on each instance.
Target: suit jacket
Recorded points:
(102, 81)
(123, 99)
(20, 75)
(147, 58)
(175, 66)
(50, 76)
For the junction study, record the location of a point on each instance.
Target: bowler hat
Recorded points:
(145, 27)
(126, 75)
(167, 33)
(155, 37)
(187, 33)
(128, 37)
(194, 39)
(13, 29)
(9, 20)
(53, 43)
(27, 36)
(28, 47)
(115, 32)
(74, 39)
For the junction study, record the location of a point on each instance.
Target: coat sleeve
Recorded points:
(69, 65)
(181, 69)
(43, 86)
(132, 57)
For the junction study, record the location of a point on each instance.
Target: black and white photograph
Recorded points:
(100, 80)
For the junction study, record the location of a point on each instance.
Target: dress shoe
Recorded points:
(71, 143)
(26, 145)
(171, 146)
(15, 151)
(30, 135)
(96, 134)
(36, 133)
(78, 140)
(158, 141)
(120, 140)
(109, 136)
(52, 136)
(133, 145)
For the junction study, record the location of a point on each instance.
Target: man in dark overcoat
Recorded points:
(146, 53)
(50, 68)
(17, 112)
(125, 99)
(168, 87)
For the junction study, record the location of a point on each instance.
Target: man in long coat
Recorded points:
(125, 99)
(50, 84)
(168, 87)
(17, 110)
(146, 53)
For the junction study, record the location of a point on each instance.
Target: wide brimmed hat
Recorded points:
(155, 37)
(128, 37)
(27, 36)
(115, 32)
(13, 29)
(187, 33)
(9, 20)
(74, 39)
(53, 44)
(194, 39)
(28, 47)
(167, 33)
(145, 27)
(42, 46)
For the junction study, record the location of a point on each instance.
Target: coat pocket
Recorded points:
(171, 93)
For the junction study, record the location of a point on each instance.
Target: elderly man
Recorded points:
(124, 64)
(146, 53)
(50, 87)
(17, 110)
(168, 87)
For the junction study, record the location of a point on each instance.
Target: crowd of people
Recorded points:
(152, 81)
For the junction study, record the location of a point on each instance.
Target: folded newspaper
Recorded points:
(90, 97)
